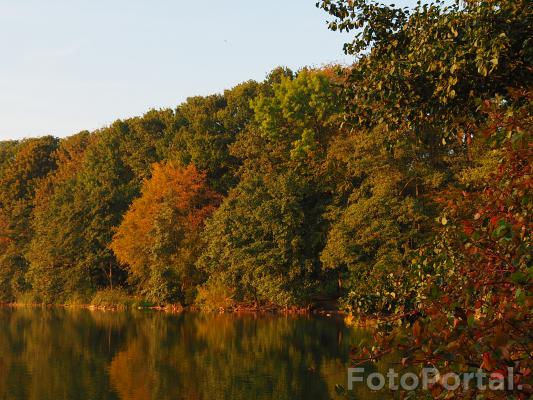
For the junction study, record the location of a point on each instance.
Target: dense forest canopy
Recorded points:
(399, 186)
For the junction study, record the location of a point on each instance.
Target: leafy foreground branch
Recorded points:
(474, 303)
(460, 301)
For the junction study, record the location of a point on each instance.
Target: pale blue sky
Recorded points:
(69, 65)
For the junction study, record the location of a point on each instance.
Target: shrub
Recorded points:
(215, 296)
(112, 298)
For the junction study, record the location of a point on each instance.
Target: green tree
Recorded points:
(53, 249)
(205, 128)
(30, 161)
(475, 297)
(69, 254)
(264, 241)
(383, 210)
(428, 65)
(144, 140)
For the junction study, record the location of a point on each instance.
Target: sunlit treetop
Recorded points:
(431, 64)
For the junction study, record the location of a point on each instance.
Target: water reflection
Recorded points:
(53, 354)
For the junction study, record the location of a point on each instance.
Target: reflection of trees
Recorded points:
(130, 381)
(54, 354)
(230, 357)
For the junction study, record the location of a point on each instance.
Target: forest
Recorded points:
(398, 186)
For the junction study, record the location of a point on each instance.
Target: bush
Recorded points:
(28, 298)
(215, 296)
(112, 298)
(78, 298)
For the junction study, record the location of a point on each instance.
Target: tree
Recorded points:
(428, 65)
(383, 211)
(431, 70)
(295, 116)
(158, 239)
(473, 305)
(300, 111)
(144, 140)
(52, 248)
(69, 254)
(264, 241)
(206, 127)
(30, 162)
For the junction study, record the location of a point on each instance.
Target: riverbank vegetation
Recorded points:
(399, 185)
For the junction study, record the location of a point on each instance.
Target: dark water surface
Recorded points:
(56, 354)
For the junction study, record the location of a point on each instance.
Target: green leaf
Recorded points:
(519, 277)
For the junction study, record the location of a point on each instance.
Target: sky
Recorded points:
(71, 65)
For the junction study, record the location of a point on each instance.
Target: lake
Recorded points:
(55, 354)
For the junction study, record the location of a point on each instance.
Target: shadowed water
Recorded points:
(55, 354)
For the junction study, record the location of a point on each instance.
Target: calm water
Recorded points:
(55, 354)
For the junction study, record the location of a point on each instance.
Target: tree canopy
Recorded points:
(398, 188)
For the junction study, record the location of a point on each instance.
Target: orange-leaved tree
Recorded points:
(158, 240)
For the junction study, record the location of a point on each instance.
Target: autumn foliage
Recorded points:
(398, 188)
(474, 311)
(161, 226)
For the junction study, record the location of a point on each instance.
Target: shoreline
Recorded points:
(176, 309)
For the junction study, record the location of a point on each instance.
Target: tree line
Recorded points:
(400, 185)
